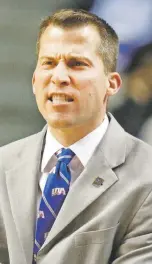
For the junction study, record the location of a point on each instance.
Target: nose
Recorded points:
(60, 76)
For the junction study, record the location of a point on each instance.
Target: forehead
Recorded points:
(80, 40)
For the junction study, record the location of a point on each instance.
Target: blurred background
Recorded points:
(19, 23)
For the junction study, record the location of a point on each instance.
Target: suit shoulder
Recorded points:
(16, 149)
(138, 148)
(18, 143)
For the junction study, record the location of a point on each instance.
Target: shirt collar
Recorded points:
(83, 148)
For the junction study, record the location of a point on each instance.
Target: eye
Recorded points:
(75, 63)
(78, 63)
(47, 63)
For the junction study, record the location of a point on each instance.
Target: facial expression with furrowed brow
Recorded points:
(69, 82)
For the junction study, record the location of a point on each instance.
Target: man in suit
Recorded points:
(106, 214)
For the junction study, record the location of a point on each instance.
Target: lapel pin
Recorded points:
(98, 182)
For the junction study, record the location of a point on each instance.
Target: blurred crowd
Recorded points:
(132, 21)
(135, 112)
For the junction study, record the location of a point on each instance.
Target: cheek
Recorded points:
(42, 78)
(84, 79)
(40, 94)
(95, 95)
(88, 99)
(41, 83)
(88, 90)
(85, 84)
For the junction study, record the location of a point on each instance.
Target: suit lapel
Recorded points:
(22, 185)
(83, 192)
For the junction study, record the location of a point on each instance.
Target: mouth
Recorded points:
(61, 99)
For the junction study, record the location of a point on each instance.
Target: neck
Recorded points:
(68, 136)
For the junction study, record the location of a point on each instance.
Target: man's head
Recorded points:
(73, 19)
(75, 72)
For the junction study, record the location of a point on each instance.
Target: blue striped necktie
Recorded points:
(53, 196)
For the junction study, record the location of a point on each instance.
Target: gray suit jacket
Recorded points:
(110, 223)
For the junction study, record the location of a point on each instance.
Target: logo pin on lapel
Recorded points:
(98, 182)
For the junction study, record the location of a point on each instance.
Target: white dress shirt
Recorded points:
(83, 149)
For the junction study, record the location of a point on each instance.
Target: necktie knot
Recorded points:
(65, 155)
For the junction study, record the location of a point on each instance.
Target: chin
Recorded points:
(59, 123)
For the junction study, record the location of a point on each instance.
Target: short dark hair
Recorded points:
(74, 18)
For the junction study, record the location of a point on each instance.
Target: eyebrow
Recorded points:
(70, 57)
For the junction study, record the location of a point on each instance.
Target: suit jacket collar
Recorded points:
(114, 143)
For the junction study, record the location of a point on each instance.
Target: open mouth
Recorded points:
(60, 99)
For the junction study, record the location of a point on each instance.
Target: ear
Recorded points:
(114, 83)
(33, 82)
